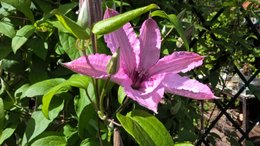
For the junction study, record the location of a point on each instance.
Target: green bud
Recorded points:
(110, 131)
(111, 126)
(113, 64)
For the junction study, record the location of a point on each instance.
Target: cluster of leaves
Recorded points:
(229, 39)
(34, 41)
(30, 51)
(41, 102)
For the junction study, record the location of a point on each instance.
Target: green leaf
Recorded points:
(7, 133)
(175, 109)
(187, 135)
(38, 123)
(5, 48)
(255, 1)
(52, 140)
(7, 29)
(249, 143)
(59, 26)
(87, 126)
(37, 70)
(113, 23)
(80, 102)
(2, 115)
(116, 4)
(121, 94)
(22, 36)
(3, 86)
(23, 6)
(183, 144)
(14, 66)
(93, 142)
(42, 87)
(214, 77)
(146, 129)
(65, 8)
(71, 26)
(68, 45)
(159, 13)
(68, 131)
(44, 6)
(22, 89)
(176, 23)
(78, 81)
(90, 142)
(39, 47)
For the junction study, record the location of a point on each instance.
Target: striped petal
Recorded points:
(149, 101)
(149, 94)
(125, 39)
(177, 62)
(184, 86)
(150, 42)
(92, 65)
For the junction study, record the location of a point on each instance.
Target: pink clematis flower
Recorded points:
(144, 76)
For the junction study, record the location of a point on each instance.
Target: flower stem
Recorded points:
(99, 133)
(91, 101)
(122, 106)
(7, 91)
(102, 96)
(121, 6)
(95, 15)
(95, 83)
(168, 33)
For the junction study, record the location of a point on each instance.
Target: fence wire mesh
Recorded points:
(224, 106)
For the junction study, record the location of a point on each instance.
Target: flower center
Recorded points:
(137, 78)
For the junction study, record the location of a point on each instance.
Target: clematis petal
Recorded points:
(153, 82)
(111, 41)
(177, 62)
(150, 44)
(121, 78)
(184, 86)
(149, 101)
(125, 39)
(149, 94)
(93, 65)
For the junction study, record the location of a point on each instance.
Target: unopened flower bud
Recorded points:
(84, 16)
(113, 64)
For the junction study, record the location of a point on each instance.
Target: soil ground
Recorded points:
(225, 130)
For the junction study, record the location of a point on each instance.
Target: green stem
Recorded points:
(121, 6)
(168, 33)
(11, 97)
(6, 89)
(99, 133)
(122, 106)
(93, 10)
(91, 101)
(95, 83)
(102, 96)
